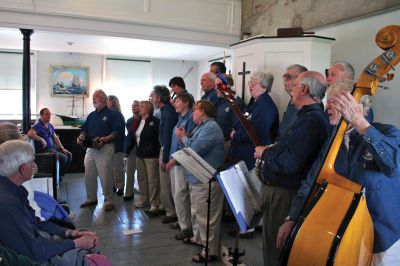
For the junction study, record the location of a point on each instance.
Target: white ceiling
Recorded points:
(58, 42)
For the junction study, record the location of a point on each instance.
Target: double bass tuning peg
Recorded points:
(389, 77)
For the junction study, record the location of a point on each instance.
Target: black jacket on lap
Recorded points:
(148, 146)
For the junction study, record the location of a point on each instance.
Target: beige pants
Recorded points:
(148, 180)
(98, 163)
(166, 192)
(198, 197)
(130, 173)
(180, 191)
(119, 171)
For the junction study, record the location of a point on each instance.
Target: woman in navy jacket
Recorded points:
(147, 153)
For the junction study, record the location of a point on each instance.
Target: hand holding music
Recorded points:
(283, 233)
(180, 133)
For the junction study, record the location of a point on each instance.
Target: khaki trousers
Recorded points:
(166, 192)
(278, 201)
(148, 180)
(119, 171)
(130, 173)
(98, 163)
(181, 194)
(198, 197)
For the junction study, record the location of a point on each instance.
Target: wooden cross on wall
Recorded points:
(243, 74)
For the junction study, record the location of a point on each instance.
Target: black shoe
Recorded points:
(153, 214)
(88, 204)
(168, 219)
(174, 225)
(120, 191)
(247, 235)
(184, 234)
(127, 198)
(162, 212)
(259, 228)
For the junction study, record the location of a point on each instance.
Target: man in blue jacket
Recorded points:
(369, 155)
(20, 229)
(287, 162)
(98, 135)
(169, 118)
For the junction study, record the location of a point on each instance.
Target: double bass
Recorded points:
(335, 227)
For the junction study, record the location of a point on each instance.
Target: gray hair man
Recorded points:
(169, 118)
(290, 115)
(372, 162)
(98, 134)
(207, 83)
(20, 230)
(287, 162)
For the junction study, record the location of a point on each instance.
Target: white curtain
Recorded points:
(129, 80)
(11, 85)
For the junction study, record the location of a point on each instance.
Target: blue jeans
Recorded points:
(65, 159)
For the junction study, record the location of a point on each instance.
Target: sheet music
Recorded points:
(244, 193)
(189, 159)
(237, 193)
(244, 176)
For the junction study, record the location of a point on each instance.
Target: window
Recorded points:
(11, 85)
(129, 80)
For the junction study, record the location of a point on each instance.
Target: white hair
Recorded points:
(13, 154)
(265, 79)
(348, 85)
(316, 84)
(347, 68)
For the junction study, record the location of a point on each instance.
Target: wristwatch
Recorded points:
(289, 218)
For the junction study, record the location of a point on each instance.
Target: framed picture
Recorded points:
(69, 80)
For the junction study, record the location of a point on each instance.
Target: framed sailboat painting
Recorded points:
(69, 80)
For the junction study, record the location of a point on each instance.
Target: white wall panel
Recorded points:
(210, 22)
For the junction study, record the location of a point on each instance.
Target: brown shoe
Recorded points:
(88, 204)
(108, 206)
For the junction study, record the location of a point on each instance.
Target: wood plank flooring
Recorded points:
(155, 246)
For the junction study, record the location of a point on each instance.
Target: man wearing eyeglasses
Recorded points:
(46, 140)
(290, 115)
(287, 162)
(20, 230)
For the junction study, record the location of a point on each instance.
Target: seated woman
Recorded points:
(147, 153)
(207, 140)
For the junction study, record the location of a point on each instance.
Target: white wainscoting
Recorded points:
(213, 22)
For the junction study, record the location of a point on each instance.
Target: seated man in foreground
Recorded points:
(20, 229)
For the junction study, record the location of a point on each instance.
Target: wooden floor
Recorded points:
(154, 246)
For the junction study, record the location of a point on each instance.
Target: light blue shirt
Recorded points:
(208, 142)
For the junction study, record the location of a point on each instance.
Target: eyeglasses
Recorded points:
(253, 82)
(287, 76)
(294, 85)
